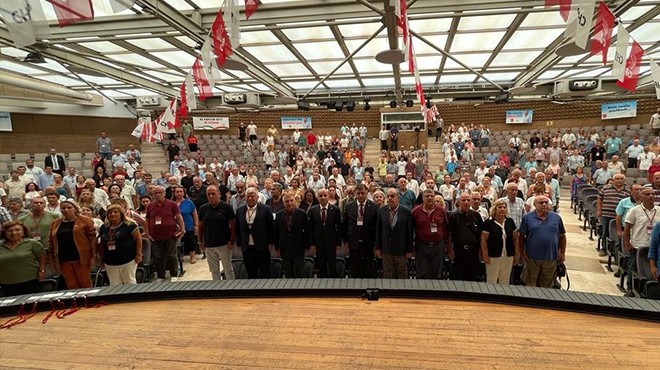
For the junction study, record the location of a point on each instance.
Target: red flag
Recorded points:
(250, 7)
(148, 132)
(564, 7)
(183, 106)
(631, 74)
(602, 31)
(221, 41)
(72, 11)
(203, 86)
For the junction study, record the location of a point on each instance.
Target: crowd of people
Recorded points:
(317, 199)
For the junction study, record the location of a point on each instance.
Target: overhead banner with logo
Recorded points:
(5, 122)
(210, 123)
(622, 109)
(292, 123)
(518, 117)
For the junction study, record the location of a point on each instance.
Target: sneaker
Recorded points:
(174, 279)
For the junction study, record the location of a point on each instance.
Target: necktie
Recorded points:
(323, 215)
(392, 217)
(288, 217)
(361, 210)
(56, 166)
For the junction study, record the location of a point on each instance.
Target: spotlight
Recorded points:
(338, 106)
(331, 105)
(366, 104)
(303, 105)
(409, 103)
(34, 57)
(392, 103)
(350, 105)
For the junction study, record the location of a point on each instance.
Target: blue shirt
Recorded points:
(542, 236)
(187, 208)
(654, 248)
(491, 158)
(407, 199)
(623, 207)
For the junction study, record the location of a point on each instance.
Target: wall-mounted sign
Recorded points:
(622, 109)
(5, 122)
(517, 117)
(292, 123)
(210, 123)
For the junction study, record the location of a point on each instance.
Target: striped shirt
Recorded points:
(515, 210)
(611, 198)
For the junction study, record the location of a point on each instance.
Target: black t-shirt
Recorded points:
(67, 251)
(597, 153)
(369, 170)
(465, 228)
(533, 141)
(345, 169)
(216, 223)
(172, 151)
(198, 196)
(495, 242)
(124, 249)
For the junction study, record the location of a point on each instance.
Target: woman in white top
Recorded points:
(401, 168)
(448, 192)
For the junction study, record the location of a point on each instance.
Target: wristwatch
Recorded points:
(42, 270)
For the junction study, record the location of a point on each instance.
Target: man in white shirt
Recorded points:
(645, 159)
(228, 164)
(568, 138)
(655, 123)
(15, 186)
(633, 153)
(32, 170)
(233, 179)
(252, 132)
(269, 158)
(70, 180)
(413, 185)
(118, 159)
(132, 152)
(481, 171)
(515, 140)
(100, 196)
(316, 182)
(131, 166)
(615, 166)
(339, 179)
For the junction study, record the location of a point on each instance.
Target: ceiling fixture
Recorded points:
(350, 105)
(366, 104)
(429, 104)
(303, 105)
(34, 57)
(338, 106)
(409, 103)
(393, 104)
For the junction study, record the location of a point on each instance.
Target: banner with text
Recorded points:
(292, 123)
(517, 117)
(210, 123)
(622, 109)
(5, 122)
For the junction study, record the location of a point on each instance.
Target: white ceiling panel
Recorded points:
(178, 58)
(485, 22)
(359, 30)
(274, 53)
(319, 50)
(308, 33)
(136, 60)
(514, 59)
(458, 78)
(379, 82)
(476, 41)
(324, 68)
(103, 47)
(533, 39)
(424, 26)
(153, 43)
(288, 69)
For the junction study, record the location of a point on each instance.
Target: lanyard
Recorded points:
(36, 224)
(655, 210)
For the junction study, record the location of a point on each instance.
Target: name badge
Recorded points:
(36, 235)
(158, 221)
(649, 229)
(434, 228)
(111, 246)
(274, 216)
(360, 222)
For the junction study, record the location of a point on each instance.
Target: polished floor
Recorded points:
(586, 270)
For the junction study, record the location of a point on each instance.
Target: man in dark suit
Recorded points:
(394, 237)
(55, 161)
(291, 236)
(325, 234)
(255, 235)
(359, 224)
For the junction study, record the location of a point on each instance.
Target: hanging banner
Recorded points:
(5, 122)
(210, 123)
(292, 123)
(622, 109)
(517, 117)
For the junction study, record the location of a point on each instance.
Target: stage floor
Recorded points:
(324, 333)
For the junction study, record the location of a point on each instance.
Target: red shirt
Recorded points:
(423, 224)
(652, 170)
(162, 220)
(311, 139)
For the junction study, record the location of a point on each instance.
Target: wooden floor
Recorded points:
(325, 333)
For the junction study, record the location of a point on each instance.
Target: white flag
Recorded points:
(210, 63)
(232, 20)
(121, 5)
(580, 20)
(25, 21)
(619, 64)
(168, 120)
(655, 72)
(190, 93)
(138, 130)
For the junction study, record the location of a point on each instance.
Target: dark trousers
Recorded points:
(605, 231)
(362, 262)
(466, 263)
(383, 145)
(395, 267)
(326, 259)
(632, 162)
(27, 287)
(438, 133)
(429, 259)
(293, 266)
(164, 257)
(394, 144)
(632, 268)
(257, 262)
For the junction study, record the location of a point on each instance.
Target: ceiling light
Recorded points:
(393, 104)
(409, 103)
(338, 106)
(366, 104)
(350, 105)
(34, 57)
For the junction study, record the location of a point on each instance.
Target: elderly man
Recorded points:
(515, 205)
(615, 166)
(608, 199)
(394, 236)
(291, 236)
(633, 153)
(406, 197)
(554, 187)
(100, 196)
(430, 223)
(325, 234)
(38, 223)
(255, 235)
(481, 171)
(359, 232)
(542, 242)
(464, 226)
(639, 223)
(602, 175)
(216, 233)
(276, 202)
(55, 161)
(163, 227)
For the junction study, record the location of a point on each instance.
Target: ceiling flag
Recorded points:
(121, 5)
(250, 7)
(602, 31)
(25, 21)
(619, 64)
(149, 132)
(190, 93)
(655, 72)
(579, 22)
(205, 90)
(210, 63)
(138, 130)
(72, 11)
(183, 107)
(221, 42)
(564, 7)
(233, 21)
(631, 74)
(168, 121)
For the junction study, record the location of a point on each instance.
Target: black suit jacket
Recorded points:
(262, 229)
(294, 242)
(366, 233)
(395, 240)
(48, 162)
(326, 235)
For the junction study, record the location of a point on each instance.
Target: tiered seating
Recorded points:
(10, 162)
